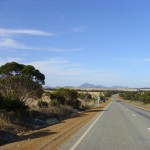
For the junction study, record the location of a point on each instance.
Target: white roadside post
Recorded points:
(98, 99)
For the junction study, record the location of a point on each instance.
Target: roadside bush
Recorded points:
(10, 104)
(59, 96)
(54, 102)
(136, 96)
(110, 93)
(77, 104)
(59, 112)
(42, 104)
(85, 96)
(64, 96)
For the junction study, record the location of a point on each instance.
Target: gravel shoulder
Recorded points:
(54, 136)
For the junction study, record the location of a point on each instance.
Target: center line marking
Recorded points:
(149, 129)
(134, 115)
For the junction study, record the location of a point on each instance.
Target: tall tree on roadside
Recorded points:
(21, 81)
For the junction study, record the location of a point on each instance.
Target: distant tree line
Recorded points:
(110, 93)
(143, 96)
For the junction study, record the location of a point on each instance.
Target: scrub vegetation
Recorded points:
(142, 96)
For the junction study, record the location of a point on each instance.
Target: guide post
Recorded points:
(98, 100)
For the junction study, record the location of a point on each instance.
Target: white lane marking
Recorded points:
(85, 133)
(138, 107)
(134, 115)
(149, 129)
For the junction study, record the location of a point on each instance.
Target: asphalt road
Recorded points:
(119, 127)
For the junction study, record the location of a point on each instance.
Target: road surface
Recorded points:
(119, 127)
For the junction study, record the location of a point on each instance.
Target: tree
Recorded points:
(27, 71)
(21, 81)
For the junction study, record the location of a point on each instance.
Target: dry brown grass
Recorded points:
(3, 123)
(138, 103)
(55, 111)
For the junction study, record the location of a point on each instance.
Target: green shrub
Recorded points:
(136, 96)
(86, 96)
(10, 104)
(77, 104)
(42, 104)
(54, 102)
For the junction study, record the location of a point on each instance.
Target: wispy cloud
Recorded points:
(10, 43)
(13, 44)
(60, 71)
(12, 32)
(53, 49)
(10, 59)
(57, 66)
(77, 29)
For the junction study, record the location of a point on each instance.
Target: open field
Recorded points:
(53, 136)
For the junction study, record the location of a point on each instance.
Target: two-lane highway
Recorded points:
(120, 127)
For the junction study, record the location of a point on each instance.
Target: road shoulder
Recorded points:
(54, 136)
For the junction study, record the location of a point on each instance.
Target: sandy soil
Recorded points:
(50, 138)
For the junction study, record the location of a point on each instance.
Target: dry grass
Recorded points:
(138, 103)
(3, 122)
(55, 111)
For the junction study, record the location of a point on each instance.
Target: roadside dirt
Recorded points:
(52, 137)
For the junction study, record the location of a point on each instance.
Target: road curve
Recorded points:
(120, 127)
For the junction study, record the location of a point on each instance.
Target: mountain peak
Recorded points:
(87, 85)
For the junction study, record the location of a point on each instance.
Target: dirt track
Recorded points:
(53, 136)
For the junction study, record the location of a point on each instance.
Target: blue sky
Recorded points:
(103, 42)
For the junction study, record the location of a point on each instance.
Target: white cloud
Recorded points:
(12, 32)
(12, 44)
(10, 59)
(60, 71)
(56, 66)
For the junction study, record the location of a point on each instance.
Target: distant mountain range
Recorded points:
(86, 85)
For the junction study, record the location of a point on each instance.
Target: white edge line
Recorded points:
(85, 133)
(134, 115)
(137, 106)
(149, 129)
